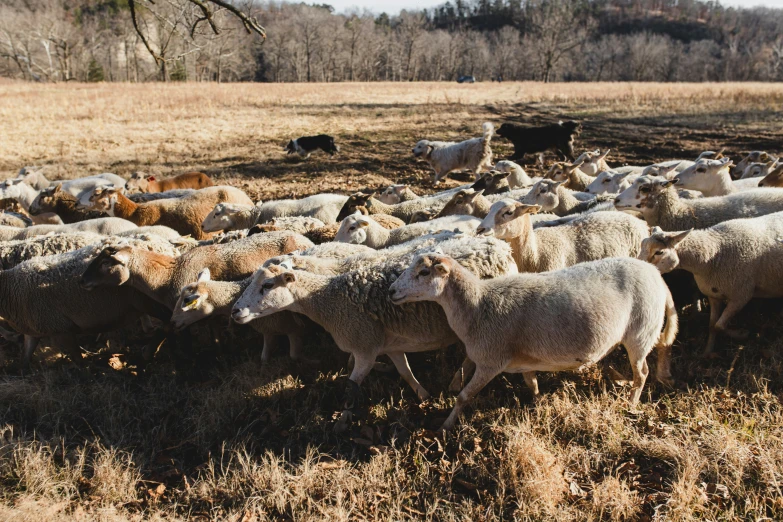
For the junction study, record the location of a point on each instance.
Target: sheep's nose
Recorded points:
(616, 201)
(481, 230)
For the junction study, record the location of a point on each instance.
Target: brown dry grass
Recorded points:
(214, 435)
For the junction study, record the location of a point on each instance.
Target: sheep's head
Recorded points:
(269, 292)
(220, 218)
(702, 175)
(46, 200)
(138, 182)
(545, 194)
(353, 229)
(109, 268)
(659, 170)
(11, 189)
(774, 178)
(355, 201)
(493, 182)
(424, 280)
(423, 149)
(759, 170)
(591, 162)
(602, 184)
(756, 156)
(104, 199)
(463, 203)
(660, 249)
(503, 221)
(557, 172)
(642, 194)
(394, 194)
(193, 303)
(422, 215)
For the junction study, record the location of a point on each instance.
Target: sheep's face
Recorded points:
(756, 156)
(353, 230)
(702, 175)
(641, 194)
(591, 162)
(219, 219)
(269, 292)
(504, 219)
(660, 249)
(137, 183)
(544, 194)
(463, 202)
(424, 280)
(11, 189)
(423, 149)
(193, 303)
(557, 172)
(104, 199)
(602, 184)
(758, 170)
(773, 179)
(422, 215)
(354, 203)
(46, 200)
(393, 194)
(110, 268)
(493, 182)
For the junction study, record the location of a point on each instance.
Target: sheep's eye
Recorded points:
(606, 181)
(659, 252)
(268, 286)
(542, 191)
(352, 227)
(508, 213)
(424, 272)
(700, 170)
(644, 189)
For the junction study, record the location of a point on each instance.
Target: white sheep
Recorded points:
(560, 320)
(712, 178)
(394, 194)
(756, 156)
(233, 216)
(363, 230)
(552, 196)
(517, 178)
(732, 262)
(105, 226)
(759, 170)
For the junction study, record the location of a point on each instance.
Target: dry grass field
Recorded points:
(216, 435)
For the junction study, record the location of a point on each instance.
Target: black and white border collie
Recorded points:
(306, 145)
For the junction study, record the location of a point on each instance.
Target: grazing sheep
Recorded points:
(355, 309)
(560, 320)
(138, 182)
(732, 262)
(552, 196)
(446, 156)
(185, 215)
(756, 156)
(774, 178)
(658, 203)
(105, 226)
(394, 194)
(161, 277)
(587, 238)
(712, 178)
(518, 178)
(205, 297)
(466, 202)
(363, 230)
(42, 298)
(64, 204)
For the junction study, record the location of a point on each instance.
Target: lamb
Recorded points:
(756, 156)
(138, 182)
(355, 309)
(466, 202)
(397, 193)
(185, 215)
(587, 238)
(205, 297)
(712, 178)
(658, 203)
(518, 178)
(230, 216)
(759, 170)
(42, 298)
(774, 178)
(363, 230)
(556, 321)
(552, 196)
(445, 156)
(161, 277)
(732, 262)
(105, 226)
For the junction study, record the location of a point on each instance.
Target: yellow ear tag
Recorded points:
(193, 305)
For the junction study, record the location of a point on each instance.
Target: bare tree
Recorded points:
(557, 27)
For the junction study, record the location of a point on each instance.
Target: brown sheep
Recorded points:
(189, 180)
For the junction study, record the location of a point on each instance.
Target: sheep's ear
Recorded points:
(204, 276)
(288, 277)
(364, 224)
(676, 239)
(477, 193)
(151, 178)
(503, 175)
(770, 164)
(400, 188)
(605, 154)
(668, 182)
(121, 256)
(57, 188)
(441, 266)
(523, 209)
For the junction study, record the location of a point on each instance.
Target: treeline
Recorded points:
(550, 40)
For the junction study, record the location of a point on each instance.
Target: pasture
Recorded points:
(214, 434)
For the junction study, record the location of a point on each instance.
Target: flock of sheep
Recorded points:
(529, 273)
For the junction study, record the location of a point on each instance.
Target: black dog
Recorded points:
(306, 145)
(558, 137)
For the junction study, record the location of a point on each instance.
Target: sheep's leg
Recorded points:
(640, 372)
(465, 371)
(30, 344)
(482, 377)
(363, 363)
(663, 370)
(732, 308)
(401, 362)
(532, 382)
(716, 306)
(270, 343)
(296, 344)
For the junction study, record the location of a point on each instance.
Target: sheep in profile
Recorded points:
(445, 156)
(732, 262)
(774, 178)
(367, 204)
(62, 203)
(394, 194)
(756, 156)
(466, 202)
(666, 169)
(205, 297)
(363, 230)
(556, 321)
(517, 178)
(552, 196)
(712, 178)
(587, 238)
(610, 182)
(573, 177)
(139, 182)
(759, 170)
(658, 202)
